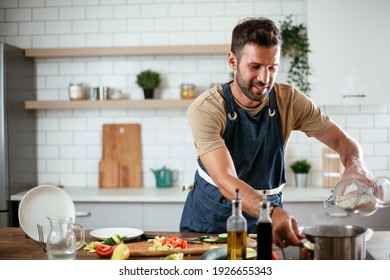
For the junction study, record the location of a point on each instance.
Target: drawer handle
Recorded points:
(354, 95)
(83, 214)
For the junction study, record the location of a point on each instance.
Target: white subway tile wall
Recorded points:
(69, 141)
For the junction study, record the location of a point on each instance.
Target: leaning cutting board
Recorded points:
(120, 166)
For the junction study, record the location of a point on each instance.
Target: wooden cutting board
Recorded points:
(120, 166)
(141, 249)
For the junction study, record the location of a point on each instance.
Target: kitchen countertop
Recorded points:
(14, 245)
(171, 195)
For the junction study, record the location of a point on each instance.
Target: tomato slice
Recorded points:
(182, 244)
(175, 241)
(104, 251)
(274, 256)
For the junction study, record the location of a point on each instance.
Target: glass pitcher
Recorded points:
(61, 241)
(355, 197)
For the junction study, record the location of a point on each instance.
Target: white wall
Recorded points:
(69, 144)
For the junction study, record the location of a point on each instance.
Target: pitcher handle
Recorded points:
(80, 243)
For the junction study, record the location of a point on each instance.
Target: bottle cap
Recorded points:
(236, 201)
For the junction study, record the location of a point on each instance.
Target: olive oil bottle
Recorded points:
(264, 231)
(237, 232)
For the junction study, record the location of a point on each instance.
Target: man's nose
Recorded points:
(263, 76)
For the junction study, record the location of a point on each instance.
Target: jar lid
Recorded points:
(187, 86)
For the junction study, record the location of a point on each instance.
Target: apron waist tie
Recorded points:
(209, 180)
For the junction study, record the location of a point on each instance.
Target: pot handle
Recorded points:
(368, 234)
(309, 245)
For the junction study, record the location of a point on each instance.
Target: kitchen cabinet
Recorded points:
(144, 208)
(163, 216)
(314, 213)
(142, 215)
(348, 58)
(156, 215)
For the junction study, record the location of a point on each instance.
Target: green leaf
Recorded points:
(296, 45)
(300, 166)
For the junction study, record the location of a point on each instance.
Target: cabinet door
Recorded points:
(349, 40)
(162, 216)
(101, 215)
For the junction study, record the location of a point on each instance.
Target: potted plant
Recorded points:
(300, 168)
(148, 80)
(296, 45)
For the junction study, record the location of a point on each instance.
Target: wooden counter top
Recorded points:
(14, 245)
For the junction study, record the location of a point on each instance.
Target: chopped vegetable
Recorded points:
(222, 238)
(167, 243)
(121, 252)
(210, 240)
(203, 237)
(114, 240)
(104, 251)
(111, 241)
(176, 256)
(117, 239)
(92, 246)
(251, 254)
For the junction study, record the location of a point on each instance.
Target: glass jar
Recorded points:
(355, 197)
(187, 91)
(76, 92)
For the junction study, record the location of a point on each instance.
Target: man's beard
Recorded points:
(246, 88)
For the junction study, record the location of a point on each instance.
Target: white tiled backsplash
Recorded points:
(70, 140)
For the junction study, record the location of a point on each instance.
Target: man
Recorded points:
(240, 131)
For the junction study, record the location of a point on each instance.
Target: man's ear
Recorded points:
(232, 61)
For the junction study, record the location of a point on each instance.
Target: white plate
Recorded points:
(39, 203)
(105, 233)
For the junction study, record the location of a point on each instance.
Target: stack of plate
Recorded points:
(39, 203)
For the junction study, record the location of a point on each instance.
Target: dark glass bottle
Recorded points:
(237, 232)
(264, 231)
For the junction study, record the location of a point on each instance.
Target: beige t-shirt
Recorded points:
(207, 117)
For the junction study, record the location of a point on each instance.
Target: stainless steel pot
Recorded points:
(334, 242)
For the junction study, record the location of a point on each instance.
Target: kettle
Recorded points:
(165, 177)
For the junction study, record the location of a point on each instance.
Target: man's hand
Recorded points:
(357, 170)
(285, 229)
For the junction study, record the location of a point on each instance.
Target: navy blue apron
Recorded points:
(256, 147)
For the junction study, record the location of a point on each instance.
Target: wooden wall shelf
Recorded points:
(109, 104)
(127, 51)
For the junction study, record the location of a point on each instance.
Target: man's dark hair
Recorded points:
(260, 31)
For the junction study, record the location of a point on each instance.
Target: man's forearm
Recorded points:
(350, 152)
